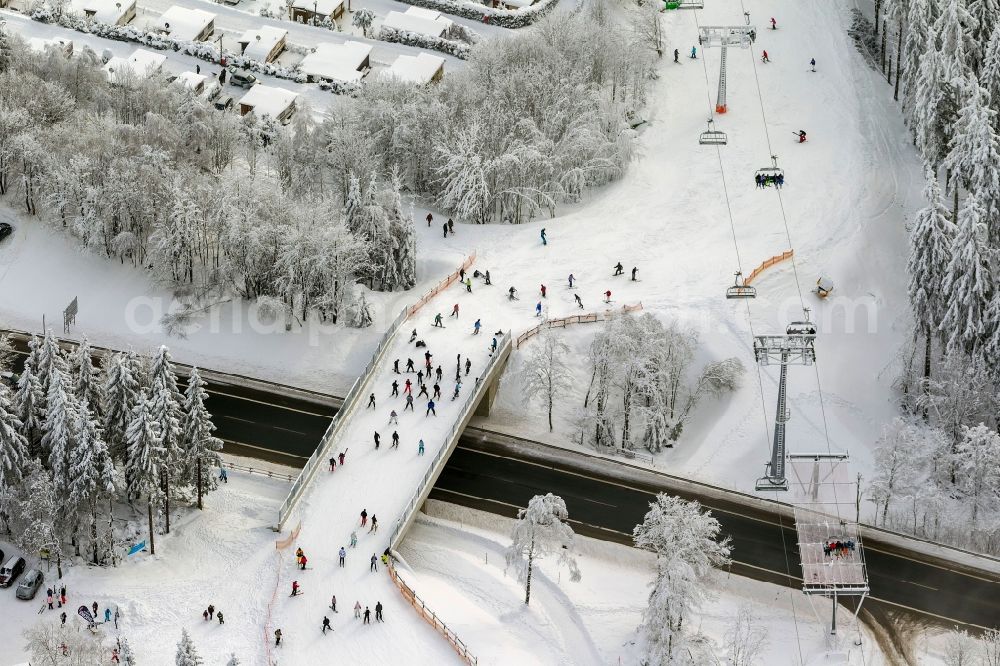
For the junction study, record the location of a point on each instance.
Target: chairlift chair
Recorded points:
(712, 136)
(801, 327)
(772, 171)
(741, 289)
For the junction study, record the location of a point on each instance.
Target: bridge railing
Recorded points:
(351, 400)
(563, 322)
(444, 452)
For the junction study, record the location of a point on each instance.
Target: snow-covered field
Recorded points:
(455, 558)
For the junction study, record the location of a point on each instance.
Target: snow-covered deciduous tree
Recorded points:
(960, 649)
(978, 473)
(931, 240)
(687, 546)
(127, 656)
(52, 644)
(39, 523)
(901, 457)
(235, 661)
(187, 654)
(647, 28)
(545, 375)
(200, 446)
(363, 19)
(990, 648)
(541, 531)
(745, 639)
(145, 455)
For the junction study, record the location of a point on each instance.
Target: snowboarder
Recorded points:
(458, 389)
(373, 567)
(774, 24)
(427, 358)
(395, 445)
(812, 63)
(619, 269)
(354, 540)
(468, 285)
(420, 377)
(437, 392)
(378, 612)
(295, 587)
(510, 294)
(357, 610)
(694, 52)
(420, 448)
(409, 403)
(377, 438)
(374, 527)
(476, 327)
(395, 389)
(277, 637)
(430, 218)
(451, 226)
(439, 373)
(538, 309)
(395, 366)
(430, 408)
(62, 616)
(468, 366)
(409, 365)
(368, 613)
(676, 55)
(543, 291)
(764, 58)
(413, 336)
(487, 276)
(544, 240)
(802, 136)
(444, 227)
(607, 296)
(423, 391)
(493, 347)
(326, 624)
(454, 311)
(578, 301)
(107, 615)
(333, 603)
(343, 553)
(364, 517)
(635, 270)
(371, 401)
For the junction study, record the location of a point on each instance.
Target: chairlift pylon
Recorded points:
(772, 171)
(801, 327)
(712, 136)
(741, 289)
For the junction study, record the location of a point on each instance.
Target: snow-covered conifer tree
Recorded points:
(119, 397)
(92, 473)
(126, 655)
(187, 654)
(918, 30)
(145, 455)
(687, 546)
(165, 410)
(7, 353)
(58, 430)
(28, 406)
(200, 446)
(540, 531)
(50, 358)
(86, 382)
(989, 74)
(931, 242)
(13, 449)
(545, 375)
(984, 15)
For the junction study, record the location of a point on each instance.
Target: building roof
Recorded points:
(420, 68)
(104, 11)
(321, 7)
(184, 23)
(141, 64)
(258, 49)
(268, 100)
(190, 80)
(340, 62)
(419, 22)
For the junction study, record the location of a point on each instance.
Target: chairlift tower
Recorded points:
(794, 348)
(741, 36)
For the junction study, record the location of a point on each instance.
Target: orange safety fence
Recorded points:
(767, 264)
(430, 616)
(441, 286)
(279, 546)
(575, 319)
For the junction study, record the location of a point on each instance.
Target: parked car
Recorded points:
(224, 102)
(242, 78)
(11, 570)
(5, 230)
(29, 585)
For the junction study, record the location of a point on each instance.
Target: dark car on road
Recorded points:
(5, 230)
(29, 585)
(11, 570)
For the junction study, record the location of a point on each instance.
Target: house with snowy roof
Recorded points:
(139, 66)
(263, 44)
(193, 25)
(421, 69)
(192, 81)
(419, 20)
(308, 11)
(264, 100)
(112, 12)
(346, 62)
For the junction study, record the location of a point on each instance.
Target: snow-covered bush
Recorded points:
(507, 18)
(449, 46)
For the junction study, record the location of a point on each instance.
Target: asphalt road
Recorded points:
(487, 472)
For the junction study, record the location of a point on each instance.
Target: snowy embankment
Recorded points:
(455, 559)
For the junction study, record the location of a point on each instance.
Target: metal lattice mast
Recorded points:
(724, 37)
(776, 468)
(720, 99)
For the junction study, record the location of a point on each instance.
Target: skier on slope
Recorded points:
(774, 24)
(812, 63)
(468, 366)
(395, 443)
(802, 136)
(635, 270)
(538, 309)
(544, 240)
(607, 296)
(510, 294)
(476, 327)
(764, 58)
(409, 365)
(413, 336)
(341, 456)
(364, 517)
(395, 389)
(277, 637)
(295, 587)
(694, 52)
(437, 320)
(676, 55)
(445, 228)
(378, 438)
(371, 401)
(493, 347)
(578, 301)
(619, 269)
(326, 625)
(430, 218)
(543, 291)
(423, 391)
(454, 311)
(571, 278)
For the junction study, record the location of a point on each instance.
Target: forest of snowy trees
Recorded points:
(937, 473)
(219, 206)
(78, 442)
